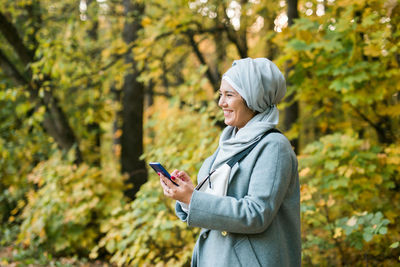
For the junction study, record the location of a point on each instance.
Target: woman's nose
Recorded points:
(221, 101)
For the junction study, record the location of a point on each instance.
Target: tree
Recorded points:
(40, 90)
(292, 110)
(342, 55)
(132, 99)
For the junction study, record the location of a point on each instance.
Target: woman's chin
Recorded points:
(228, 122)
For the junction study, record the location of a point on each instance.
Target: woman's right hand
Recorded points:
(183, 192)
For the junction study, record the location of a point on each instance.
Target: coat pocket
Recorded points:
(245, 253)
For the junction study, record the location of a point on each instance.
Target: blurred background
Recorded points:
(91, 91)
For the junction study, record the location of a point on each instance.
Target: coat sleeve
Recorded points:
(179, 211)
(272, 173)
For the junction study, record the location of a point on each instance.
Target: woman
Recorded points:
(257, 222)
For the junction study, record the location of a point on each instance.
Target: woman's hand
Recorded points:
(183, 192)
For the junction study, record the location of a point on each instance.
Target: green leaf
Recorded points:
(395, 245)
(367, 236)
(383, 230)
(299, 45)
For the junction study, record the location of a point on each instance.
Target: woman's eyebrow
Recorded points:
(227, 91)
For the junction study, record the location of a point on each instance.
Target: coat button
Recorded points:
(224, 233)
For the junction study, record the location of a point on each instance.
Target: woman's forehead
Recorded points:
(226, 87)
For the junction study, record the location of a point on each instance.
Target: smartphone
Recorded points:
(157, 167)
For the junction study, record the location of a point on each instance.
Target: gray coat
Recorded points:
(258, 222)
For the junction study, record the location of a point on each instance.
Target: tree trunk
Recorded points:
(291, 112)
(56, 125)
(94, 127)
(132, 107)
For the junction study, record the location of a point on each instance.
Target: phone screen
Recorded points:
(157, 167)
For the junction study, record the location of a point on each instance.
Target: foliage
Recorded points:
(350, 201)
(146, 231)
(63, 214)
(22, 145)
(345, 69)
(342, 66)
(19, 256)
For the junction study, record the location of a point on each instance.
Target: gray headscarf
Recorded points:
(262, 86)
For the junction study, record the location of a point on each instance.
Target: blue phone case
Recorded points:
(157, 167)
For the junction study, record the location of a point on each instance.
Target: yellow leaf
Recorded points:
(118, 133)
(146, 21)
(26, 242)
(330, 201)
(14, 211)
(304, 172)
(306, 192)
(352, 221)
(372, 50)
(338, 232)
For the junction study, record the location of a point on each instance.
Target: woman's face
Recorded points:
(236, 112)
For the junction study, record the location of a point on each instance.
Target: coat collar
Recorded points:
(206, 168)
(211, 161)
(208, 164)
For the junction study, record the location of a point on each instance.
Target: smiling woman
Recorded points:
(236, 111)
(250, 210)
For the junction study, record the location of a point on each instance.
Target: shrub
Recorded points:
(349, 202)
(146, 231)
(64, 213)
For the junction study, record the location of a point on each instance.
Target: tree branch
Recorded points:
(232, 36)
(11, 34)
(10, 70)
(365, 118)
(199, 30)
(55, 121)
(34, 14)
(202, 60)
(385, 134)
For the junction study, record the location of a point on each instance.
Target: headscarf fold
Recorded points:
(262, 86)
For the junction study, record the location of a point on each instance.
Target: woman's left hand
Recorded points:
(183, 192)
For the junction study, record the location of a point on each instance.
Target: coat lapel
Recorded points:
(233, 171)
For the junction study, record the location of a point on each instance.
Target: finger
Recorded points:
(180, 176)
(175, 172)
(167, 181)
(167, 192)
(163, 185)
(161, 178)
(184, 176)
(178, 181)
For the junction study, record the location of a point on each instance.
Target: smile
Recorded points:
(227, 112)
